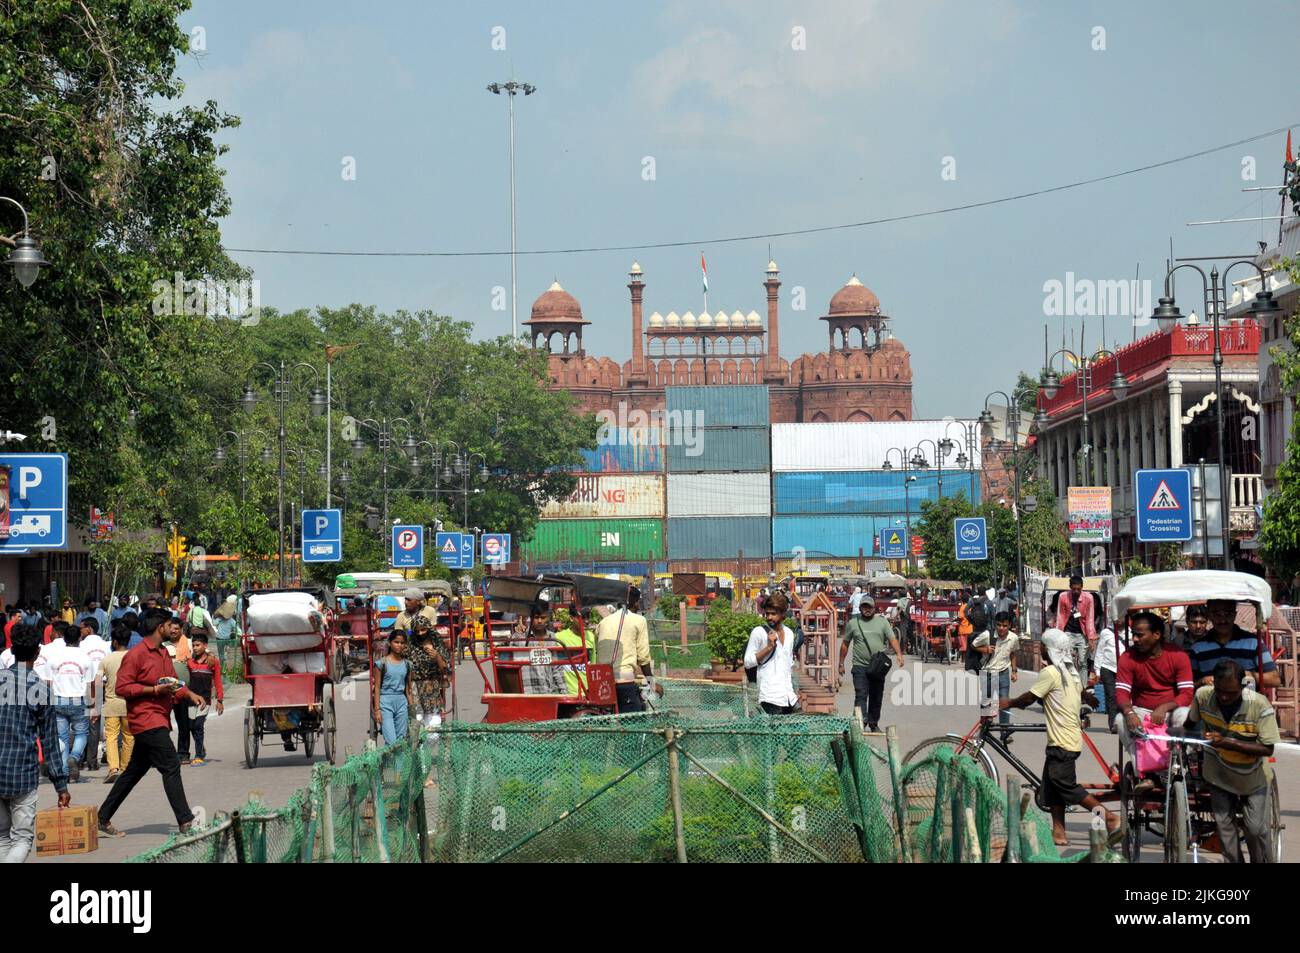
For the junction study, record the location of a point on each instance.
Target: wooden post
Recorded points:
(973, 838)
(681, 621)
(354, 816)
(305, 852)
(900, 801)
(1096, 845)
(675, 790)
(1011, 854)
(381, 814)
(237, 826)
(958, 823)
(327, 816)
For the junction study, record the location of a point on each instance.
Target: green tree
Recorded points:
(1279, 533)
(123, 191)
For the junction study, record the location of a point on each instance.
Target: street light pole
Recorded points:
(1168, 315)
(26, 258)
(907, 499)
(1013, 424)
(282, 378)
(511, 89)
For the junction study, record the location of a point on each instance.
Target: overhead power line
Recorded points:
(697, 242)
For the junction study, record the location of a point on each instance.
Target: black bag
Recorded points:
(879, 665)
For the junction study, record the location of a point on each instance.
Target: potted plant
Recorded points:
(728, 635)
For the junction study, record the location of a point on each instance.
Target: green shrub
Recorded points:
(728, 632)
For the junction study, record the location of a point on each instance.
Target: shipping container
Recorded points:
(716, 449)
(594, 568)
(610, 496)
(863, 491)
(624, 450)
(720, 405)
(813, 537)
(865, 446)
(719, 494)
(605, 540)
(717, 537)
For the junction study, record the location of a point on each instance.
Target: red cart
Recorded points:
(527, 677)
(292, 674)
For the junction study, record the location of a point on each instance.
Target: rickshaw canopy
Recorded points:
(522, 593)
(1192, 587)
(888, 580)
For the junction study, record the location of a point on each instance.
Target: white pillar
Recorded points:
(1175, 423)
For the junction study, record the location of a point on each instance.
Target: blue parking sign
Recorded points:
(970, 538)
(37, 499)
(1164, 505)
(322, 536)
(408, 547)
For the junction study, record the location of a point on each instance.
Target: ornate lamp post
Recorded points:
(1167, 314)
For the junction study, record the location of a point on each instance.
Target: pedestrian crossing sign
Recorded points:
(1163, 498)
(1164, 503)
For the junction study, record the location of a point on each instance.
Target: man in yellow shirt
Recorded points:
(1059, 689)
(575, 676)
(623, 640)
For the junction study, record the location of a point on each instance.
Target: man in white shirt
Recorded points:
(1106, 661)
(770, 654)
(96, 649)
(68, 670)
(999, 671)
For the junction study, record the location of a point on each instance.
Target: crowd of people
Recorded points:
(104, 687)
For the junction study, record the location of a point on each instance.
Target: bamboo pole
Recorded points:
(1096, 845)
(675, 787)
(900, 800)
(958, 826)
(381, 812)
(237, 826)
(327, 816)
(1011, 853)
(973, 838)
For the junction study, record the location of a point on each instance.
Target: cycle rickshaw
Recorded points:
(1175, 804)
(292, 666)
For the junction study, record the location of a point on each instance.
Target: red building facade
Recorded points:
(864, 375)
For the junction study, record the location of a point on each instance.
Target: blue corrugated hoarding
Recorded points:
(719, 537)
(721, 405)
(862, 491)
(721, 448)
(827, 535)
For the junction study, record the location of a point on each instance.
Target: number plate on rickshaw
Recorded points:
(539, 657)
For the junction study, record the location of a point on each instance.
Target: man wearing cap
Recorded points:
(414, 606)
(870, 635)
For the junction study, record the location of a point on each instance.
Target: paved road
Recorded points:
(922, 701)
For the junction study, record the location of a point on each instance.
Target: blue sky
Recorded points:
(748, 135)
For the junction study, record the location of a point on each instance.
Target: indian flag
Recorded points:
(704, 270)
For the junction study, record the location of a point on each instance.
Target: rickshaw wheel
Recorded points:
(328, 724)
(251, 737)
(1130, 823)
(1177, 819)
(309, 743)
(980, 757)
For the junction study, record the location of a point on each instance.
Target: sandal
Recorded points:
(108, 830)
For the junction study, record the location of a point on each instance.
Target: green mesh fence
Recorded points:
(704, 777)
(369, 809)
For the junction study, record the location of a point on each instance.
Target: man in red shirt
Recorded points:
(149, 703)
(1154, 678)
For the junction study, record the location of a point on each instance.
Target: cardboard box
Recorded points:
(69, 830)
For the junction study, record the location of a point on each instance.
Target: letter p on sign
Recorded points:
(29, 478)
(321, 523)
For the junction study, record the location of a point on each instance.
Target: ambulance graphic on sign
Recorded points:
(1163, 498)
